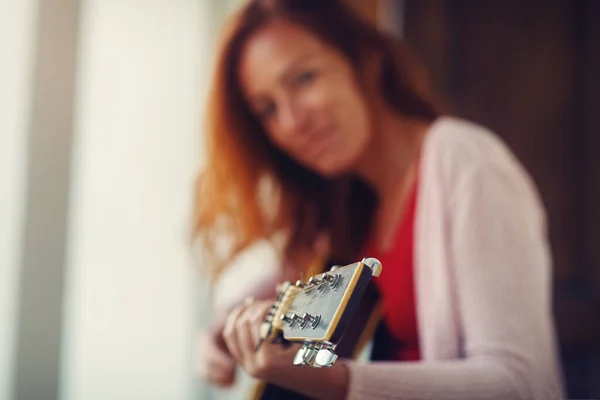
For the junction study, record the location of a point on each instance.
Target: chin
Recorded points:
(332, 168)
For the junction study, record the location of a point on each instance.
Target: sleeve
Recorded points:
(502, 276)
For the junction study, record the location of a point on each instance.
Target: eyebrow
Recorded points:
(289, 70)
(286, 75)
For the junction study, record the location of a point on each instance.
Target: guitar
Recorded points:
(318, 313)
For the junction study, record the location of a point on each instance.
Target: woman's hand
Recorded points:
(273, 363)
(241, 334)
(213, 361)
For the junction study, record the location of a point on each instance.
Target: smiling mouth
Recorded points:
(317, 144)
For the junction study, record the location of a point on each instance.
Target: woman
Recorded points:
(331, 117)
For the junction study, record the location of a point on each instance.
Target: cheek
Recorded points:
(278, 138)
(355, 121)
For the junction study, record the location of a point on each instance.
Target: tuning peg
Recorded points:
(333, 279)
(374, 264)
(299, 283)
(325, 358)
(298, 319)
(306, 355)
(315, 355)
(299, 357)
(334, 267)
(289, 319)
(310, 319)
(312, 281)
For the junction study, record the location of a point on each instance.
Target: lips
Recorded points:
(317, 143)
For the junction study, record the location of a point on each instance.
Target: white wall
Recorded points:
(129, 307)
(17, 40)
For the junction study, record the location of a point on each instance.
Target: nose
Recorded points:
(292, 119)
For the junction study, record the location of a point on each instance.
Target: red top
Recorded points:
(396, 286)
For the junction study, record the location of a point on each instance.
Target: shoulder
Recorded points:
(458, 143)
(462, 155)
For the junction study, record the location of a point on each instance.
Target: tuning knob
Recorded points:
(311, 320)
(290, 319)
(306, 355)
(312, 281)
(299, 357)
(325, 358)
(374, 264)
(333, 279)
(315, 355)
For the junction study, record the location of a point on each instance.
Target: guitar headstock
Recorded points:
(317, 312)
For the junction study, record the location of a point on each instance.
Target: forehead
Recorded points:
(274, 48)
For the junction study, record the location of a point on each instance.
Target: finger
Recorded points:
(218, 359)
(219, 342)
(211, 358)
(219, 369)
(221, 378)
(230, 334)
(211, 371)
(257, 316)
(244, 327)
(259, 310)
(286, 354)
(230, 320)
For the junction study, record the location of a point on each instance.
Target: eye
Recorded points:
(305, 78)
(267, 112)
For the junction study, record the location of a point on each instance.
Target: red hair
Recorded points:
(240, 156)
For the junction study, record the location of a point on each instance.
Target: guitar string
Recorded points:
(306, 290)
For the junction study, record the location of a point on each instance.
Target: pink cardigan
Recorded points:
(482, 276)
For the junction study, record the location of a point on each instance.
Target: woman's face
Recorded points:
(307, 96)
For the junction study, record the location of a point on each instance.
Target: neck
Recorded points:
(392, 151)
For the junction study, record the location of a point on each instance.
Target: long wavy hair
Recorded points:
(249, 189)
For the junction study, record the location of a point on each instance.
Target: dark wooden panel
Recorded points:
(589, 39)
(501, 63)
(590, 166)
(530, 70)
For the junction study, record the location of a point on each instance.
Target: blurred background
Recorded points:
(101, 107)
